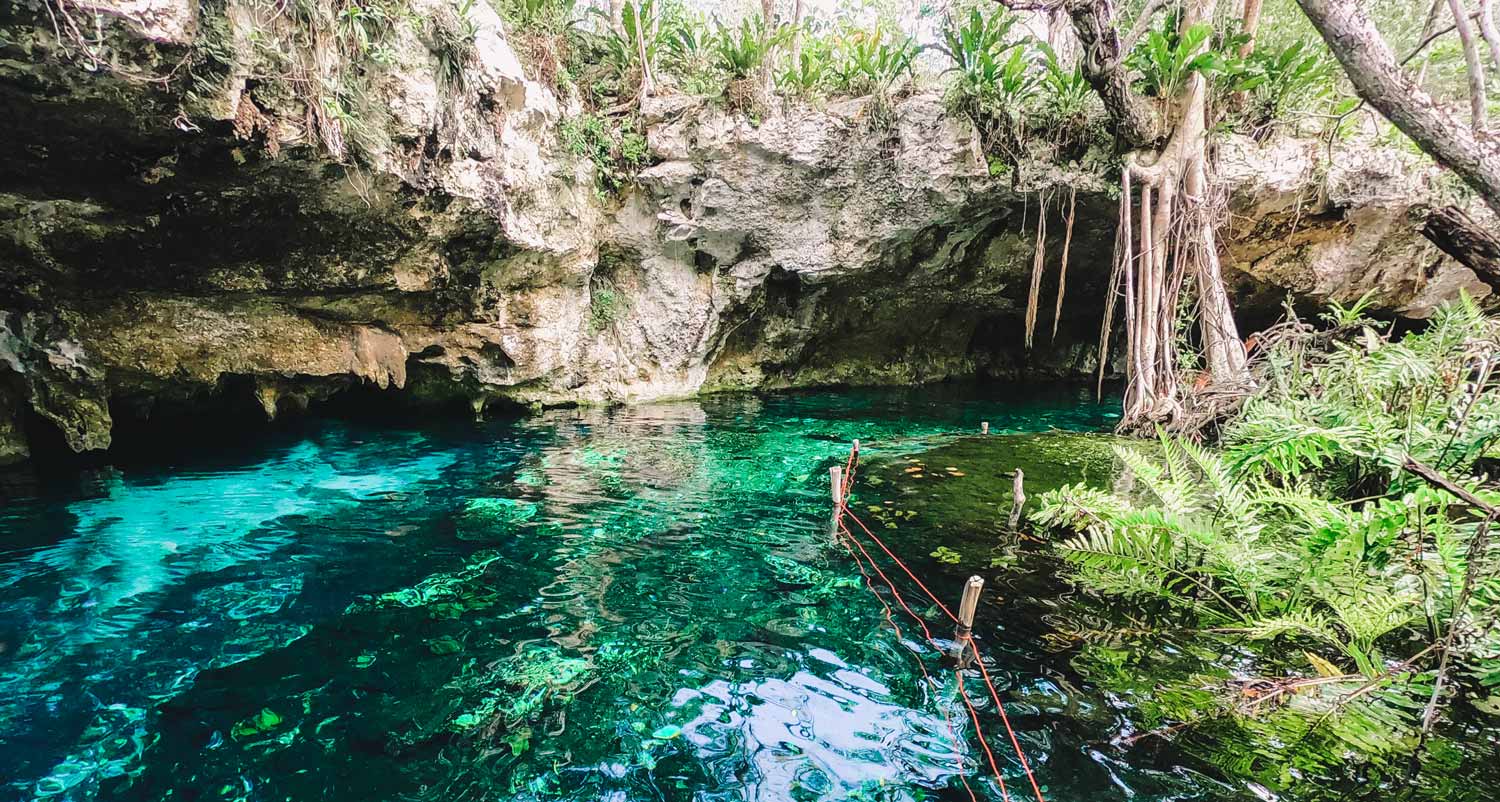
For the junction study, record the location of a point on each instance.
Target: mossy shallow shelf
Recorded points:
(638, 603)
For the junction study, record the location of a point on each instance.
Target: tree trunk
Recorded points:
(1135, 121)
(1487, 29)
(617, 16)
(648, 81)
(1457, 235)
(1249, 25)
(1477, 94)
(1372, 68)
(768, 62)
(797, 34)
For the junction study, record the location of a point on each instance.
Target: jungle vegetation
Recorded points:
(1337, 548)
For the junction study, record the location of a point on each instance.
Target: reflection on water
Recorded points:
(605, 604)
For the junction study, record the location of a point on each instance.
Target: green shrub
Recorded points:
(811, 72)
(1282, 81)
(1166, 58)
(544, 16)
(978, 44)
(604, 306)
(744, 49)
(1311, 535)
(994, 85)
(615, 146)
(870, 62)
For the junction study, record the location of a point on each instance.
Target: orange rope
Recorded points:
(927, 678)
(902, 566)
(1006, 719)
(974, 714)
(842, 509)
(930, 640)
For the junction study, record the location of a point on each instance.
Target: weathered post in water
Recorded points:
(984, 428)
(1017, 500)
(967, 605)
(836, 486)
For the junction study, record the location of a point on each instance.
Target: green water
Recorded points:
(641, 603)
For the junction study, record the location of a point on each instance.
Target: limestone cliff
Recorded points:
(184, 220)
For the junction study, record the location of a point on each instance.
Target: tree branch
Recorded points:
(1441, 482)
(1103, 60)
(1371, 66)
(1142, 24)
(1487, 30)
(1429, 39)
(1456, 234)
(1477, 96)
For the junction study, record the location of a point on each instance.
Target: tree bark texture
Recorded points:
(1371, 66)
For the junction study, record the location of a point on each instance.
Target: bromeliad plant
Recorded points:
(743, 50)
(1281, 81)
(1066, 97)
(871, 62)
(1166, 58)
(995, 82)
(1345, 524)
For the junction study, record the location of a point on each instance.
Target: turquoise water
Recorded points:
(640, 603)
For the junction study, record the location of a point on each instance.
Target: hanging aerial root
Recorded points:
(1062, 276)
(1112, 290)
(1039, 260)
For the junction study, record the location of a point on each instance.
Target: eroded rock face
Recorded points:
(173, 242)
(1335, 230)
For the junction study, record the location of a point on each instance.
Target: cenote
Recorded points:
(634, 603)
(642, 603)
(443, 401)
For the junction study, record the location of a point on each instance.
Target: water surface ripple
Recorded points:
(639, 603)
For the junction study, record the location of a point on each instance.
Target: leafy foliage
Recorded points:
(995, 82)
(550, 16)
(1307, 534)
(744, 49)
(1281, 81)
(617, 152)
(871, 62)
(1166, 58)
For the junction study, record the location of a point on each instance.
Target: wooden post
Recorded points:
(836, 485)
(856, 447)
(966, 607)
(1017, 500)
(984, 428)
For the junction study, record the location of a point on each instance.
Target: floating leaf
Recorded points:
(947, 555)
(667, 733)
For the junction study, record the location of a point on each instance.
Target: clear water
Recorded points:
(640, 603)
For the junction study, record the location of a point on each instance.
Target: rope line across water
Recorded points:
(841, 511)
